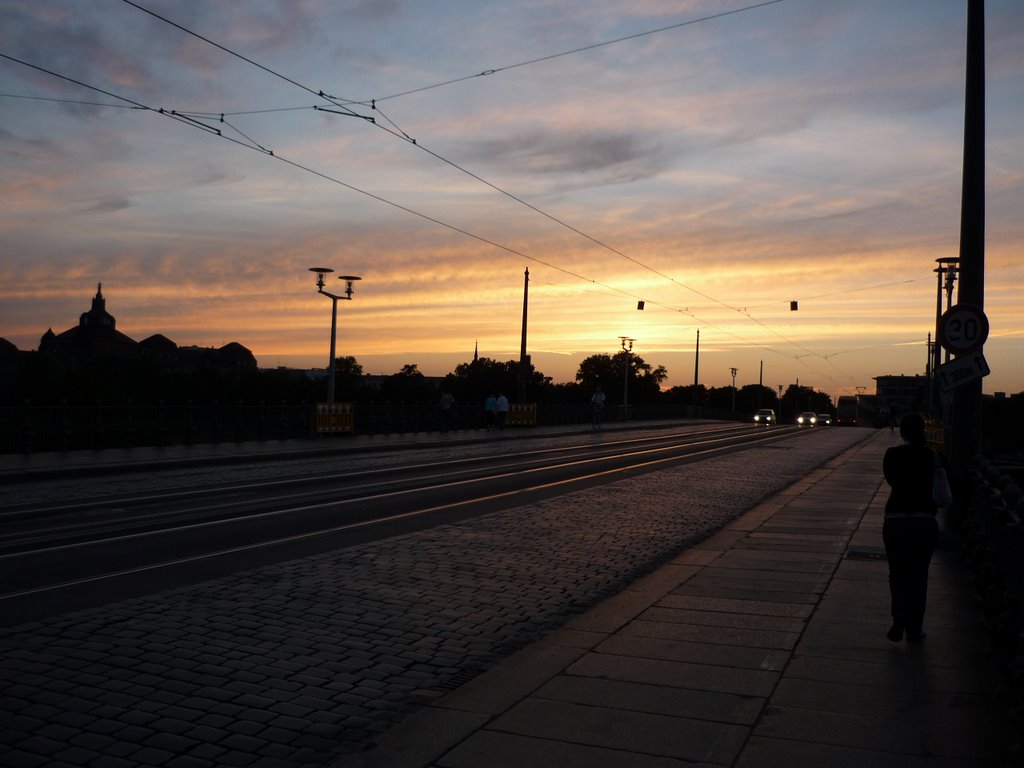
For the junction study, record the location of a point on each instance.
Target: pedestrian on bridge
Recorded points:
(501, 407)
(910, 532)
(597, 406)
(490, 409)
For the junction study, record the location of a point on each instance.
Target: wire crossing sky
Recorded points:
(737, 156)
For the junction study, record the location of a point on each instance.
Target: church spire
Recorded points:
(98, 317)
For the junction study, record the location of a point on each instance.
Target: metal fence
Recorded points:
(993, 537)
(31, 428)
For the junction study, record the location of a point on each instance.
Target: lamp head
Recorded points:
(349, 279)
(320, 272)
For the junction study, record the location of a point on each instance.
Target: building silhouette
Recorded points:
(96, 336)
(95, 361)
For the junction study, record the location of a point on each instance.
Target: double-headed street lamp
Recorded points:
(321, 273)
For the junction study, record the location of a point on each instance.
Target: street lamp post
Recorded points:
(945, 279)
(321, 273)
(627, 347)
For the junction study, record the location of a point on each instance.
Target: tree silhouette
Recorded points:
(609, 372)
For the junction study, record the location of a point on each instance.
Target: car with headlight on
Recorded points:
(807, 419)
(765, 416)
(824, 419)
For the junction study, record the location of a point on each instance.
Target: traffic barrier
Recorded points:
(334, 417)
(522, 415)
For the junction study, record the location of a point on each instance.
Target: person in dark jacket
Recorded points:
(910, 531)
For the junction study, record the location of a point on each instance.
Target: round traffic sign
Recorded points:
(962, 328)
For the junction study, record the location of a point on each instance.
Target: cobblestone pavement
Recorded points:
(298, 663)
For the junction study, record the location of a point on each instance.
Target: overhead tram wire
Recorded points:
(397, 131)
(138, 105)
(197, 123)
(337, 101)
(752, 344)
(68, 101)
(190, 120)
(838, 293)
(582, 49)
(227, 50)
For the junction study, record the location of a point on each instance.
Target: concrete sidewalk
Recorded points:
(763, 646)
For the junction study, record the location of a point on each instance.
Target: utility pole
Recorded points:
(524, 359)
(966, 419)
(696, 362)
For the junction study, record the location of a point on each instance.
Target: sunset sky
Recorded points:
(716, 159)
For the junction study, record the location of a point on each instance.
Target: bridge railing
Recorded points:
(993, 539)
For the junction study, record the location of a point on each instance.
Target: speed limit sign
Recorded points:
(962, 328)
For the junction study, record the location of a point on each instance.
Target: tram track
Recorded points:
(179, 535)
(28, 527)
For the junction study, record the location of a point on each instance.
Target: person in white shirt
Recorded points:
(597, 404)
(502, 410)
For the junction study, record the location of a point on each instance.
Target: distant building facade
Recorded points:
(96, 336)
(94, 361)
(898, 395)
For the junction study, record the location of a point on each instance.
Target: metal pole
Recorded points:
(330, 364)
(967, 438)
(929, 376)
(522, 348)
(696, 361)
(951, 271)
(321, 274)
(627, 347)
(934, 402)
(625, 389)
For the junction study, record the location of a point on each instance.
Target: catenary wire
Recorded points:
(582, 49)
(187, 119)
(68, 101)
(196, 123)
(227, 50)
(403, 135)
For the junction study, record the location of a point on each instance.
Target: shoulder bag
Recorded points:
(942, 495)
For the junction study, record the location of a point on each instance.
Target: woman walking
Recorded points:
(910, 531)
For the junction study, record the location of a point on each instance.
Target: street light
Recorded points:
(945, 273)
(627, 347)
(321, 273)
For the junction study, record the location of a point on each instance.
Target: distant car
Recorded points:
(807, 419)
(824, 420)
(765, 416)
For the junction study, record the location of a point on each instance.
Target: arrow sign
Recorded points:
(961, 370)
